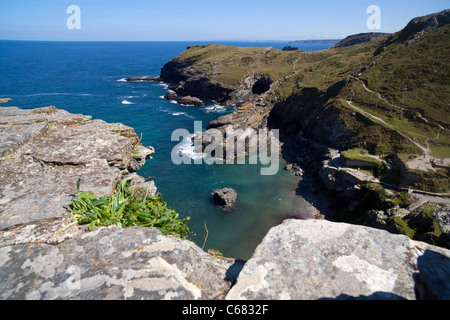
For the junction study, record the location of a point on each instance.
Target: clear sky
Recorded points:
(186, 20)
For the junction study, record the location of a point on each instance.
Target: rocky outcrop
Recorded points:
(225, 198)
(140, 79)
(361, 38)
(186, 101)
(186, 79)
(420, 25)
(416, 28)
(250, 88)
(114, 264)
(316, 259)
(190, 74)
(45, 151)
(290, 48)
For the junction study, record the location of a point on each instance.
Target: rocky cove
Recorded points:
(372, 237)
(45, 151)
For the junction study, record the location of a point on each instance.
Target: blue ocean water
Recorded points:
(87, 78)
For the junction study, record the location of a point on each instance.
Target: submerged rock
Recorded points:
(225, 198)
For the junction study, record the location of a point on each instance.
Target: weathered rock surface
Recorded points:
(225, 198)
(45, 151)
(317, 259)
(117, 264)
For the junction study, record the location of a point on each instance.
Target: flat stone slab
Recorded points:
(38, 192)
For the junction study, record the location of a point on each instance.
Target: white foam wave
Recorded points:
(127, 102)
(188, 149)
(177, 114)
(122, 80)
(216, 108)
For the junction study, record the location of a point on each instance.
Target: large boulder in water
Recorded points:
(225, 198)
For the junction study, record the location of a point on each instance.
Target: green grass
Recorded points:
(358, 154)
(127, 207)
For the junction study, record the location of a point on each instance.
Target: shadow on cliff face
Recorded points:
(432, 282)
(380, 296)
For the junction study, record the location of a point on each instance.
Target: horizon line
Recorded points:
(228, 40)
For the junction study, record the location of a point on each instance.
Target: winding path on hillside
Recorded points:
(397, 107)
(426, 150)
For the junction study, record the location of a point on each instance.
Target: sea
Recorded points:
(88, 78)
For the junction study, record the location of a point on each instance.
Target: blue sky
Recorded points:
(182, 20)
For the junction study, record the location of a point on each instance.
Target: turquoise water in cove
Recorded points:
(87, 78)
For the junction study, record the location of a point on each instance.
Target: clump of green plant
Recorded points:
(127, 207)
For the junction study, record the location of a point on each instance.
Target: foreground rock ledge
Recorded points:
(114, 263)
(315, 259)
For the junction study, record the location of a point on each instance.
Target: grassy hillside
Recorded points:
(396, 95)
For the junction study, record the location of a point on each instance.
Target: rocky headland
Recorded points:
(358, 121)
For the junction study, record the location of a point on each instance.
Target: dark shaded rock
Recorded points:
(289, 48)
(187, 100)
(425, 24)
(139, 79)
(361, 38)
(225, 198)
